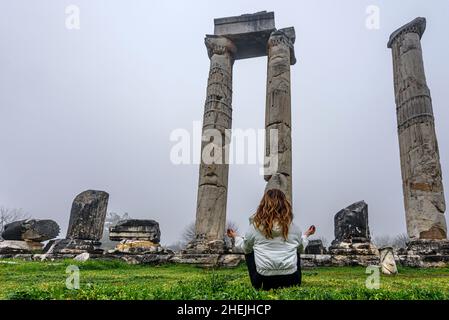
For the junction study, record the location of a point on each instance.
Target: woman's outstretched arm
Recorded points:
(306, 235)
(245, 243)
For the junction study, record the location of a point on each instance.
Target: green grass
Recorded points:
(110, 280)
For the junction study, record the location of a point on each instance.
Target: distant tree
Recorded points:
(401, 240)
(8, 215)
(398, 241)
(383, 241)
(112, 219)
(188, 233)
(177, 246)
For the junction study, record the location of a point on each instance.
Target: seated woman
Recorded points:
(272, 244)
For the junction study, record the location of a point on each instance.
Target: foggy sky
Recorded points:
(94, 108)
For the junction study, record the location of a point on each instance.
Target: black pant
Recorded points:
(272, 282)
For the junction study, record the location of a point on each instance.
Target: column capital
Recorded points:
(219, 45)
(416, 26)
(284, 37)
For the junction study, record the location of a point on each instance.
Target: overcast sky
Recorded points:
(94, 108)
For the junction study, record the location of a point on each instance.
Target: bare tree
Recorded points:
(398, 241)
(401, 240)
(188, 233)
(8, 215)
(383, 241)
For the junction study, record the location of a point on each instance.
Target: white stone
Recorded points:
(387, 261)
(83, 257)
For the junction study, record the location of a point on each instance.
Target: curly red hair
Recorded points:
(274, 207)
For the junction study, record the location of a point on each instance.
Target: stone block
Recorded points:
(88, 215)
(133, 229)
(249, 33)
(31, 229)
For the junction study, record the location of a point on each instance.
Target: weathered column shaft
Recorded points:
(214, 168)
(278, 106)
(88, 215)
(420, 161)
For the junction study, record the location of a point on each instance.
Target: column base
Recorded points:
(355, 252)
(204, 246)
(425, 254)
(73, 246)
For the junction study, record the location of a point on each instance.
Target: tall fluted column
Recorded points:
(420, 160)
(214, 168)
(278, 110)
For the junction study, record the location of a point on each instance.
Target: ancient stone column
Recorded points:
(278, 106)
(88, 215)
(213, 175)
(420, 160)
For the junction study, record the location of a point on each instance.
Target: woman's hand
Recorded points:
(310, 231)
(231, 234)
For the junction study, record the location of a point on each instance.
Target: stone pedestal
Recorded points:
(73, 247)
(204, 246)
(425, 254)
(12, 247)
(352, 244)
(139, 237)
(420, 161)
(133, 229)
(209, 260)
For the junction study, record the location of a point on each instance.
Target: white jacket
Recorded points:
(275, 256)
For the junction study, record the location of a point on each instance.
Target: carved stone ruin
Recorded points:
(387, 261)
(241, 37)
(86, 225)
(420, 161)
(136, 236)
(25, 236)
(352, 244)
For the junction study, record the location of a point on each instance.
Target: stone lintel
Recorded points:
(417, 26)
(249, 33)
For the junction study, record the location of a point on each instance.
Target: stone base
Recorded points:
(209, 260)
(206, 261)
(73, 247)
(19, 247)
(425, 254)
(354, 254)
(355, 260)
(354, 248)
(137, 247)
(201, 246)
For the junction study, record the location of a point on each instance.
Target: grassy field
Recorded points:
(108, 280)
